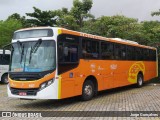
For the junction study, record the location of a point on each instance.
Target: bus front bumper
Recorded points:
(50, 92)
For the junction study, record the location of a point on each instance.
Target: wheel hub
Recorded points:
(88, 90)
(140, 81)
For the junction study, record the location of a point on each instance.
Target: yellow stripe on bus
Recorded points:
(59, 31)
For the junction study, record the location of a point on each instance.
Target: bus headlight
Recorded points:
(46, 84)
(43, 86)
(50, 82)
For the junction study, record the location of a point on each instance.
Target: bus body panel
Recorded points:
(3, 70)
(109, 74)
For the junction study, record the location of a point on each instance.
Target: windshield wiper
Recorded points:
(36, 46)
(34, 49)
(19, 46)
(21, 49)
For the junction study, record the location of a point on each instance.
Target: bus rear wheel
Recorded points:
(87, 90)
(5, 79)
(139, 80)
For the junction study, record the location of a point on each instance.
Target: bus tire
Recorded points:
(4, 78)
(139, 80)
(87, 90)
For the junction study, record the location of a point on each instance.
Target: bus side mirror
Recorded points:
(4, 50)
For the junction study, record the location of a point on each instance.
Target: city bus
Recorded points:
(4, 66)
(57, 63)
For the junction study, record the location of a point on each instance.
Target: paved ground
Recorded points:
(129, 98)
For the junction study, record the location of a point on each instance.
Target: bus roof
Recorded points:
(116, 40)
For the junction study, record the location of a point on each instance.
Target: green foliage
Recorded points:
(146, 32)
(73, 19)
(152, 29)
(80, 11)
(157, 13)
(6, 30)
(17, 17)
(66, 20)
(42, 18)
(114, 27)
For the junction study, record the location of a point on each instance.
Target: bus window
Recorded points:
(107, 50)
(146, 54)
(68, 52)
(139, 54)
(117, 52)
(90, 49)
(131, 53)
(123, 52)
(68, 49)
(152, 55)
(4, 60)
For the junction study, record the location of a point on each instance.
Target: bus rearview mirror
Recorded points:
(4, 50)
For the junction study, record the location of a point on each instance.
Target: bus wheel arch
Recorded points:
(90, 84)
(140, 79)
(4, 78)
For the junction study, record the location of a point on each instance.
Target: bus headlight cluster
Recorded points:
(46, 84)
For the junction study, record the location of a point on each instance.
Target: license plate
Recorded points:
(22, 93)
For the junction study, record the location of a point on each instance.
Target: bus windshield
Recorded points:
(26, 58)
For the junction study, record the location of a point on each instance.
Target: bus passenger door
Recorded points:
(68, 60)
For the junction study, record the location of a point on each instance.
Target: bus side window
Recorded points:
(117, 52)
(152, 55)
(123, 52)
(139, 54)
(68, 52)
(107, 50)
(73, 53)
(145, 54)
(90, 49)
(5, 60)
(131, 53)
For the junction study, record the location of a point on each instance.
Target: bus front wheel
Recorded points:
(4, 79)
(87, 90)
(139, 80)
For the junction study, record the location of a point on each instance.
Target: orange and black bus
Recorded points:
(57, 63)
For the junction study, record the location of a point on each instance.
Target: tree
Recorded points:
(73, 19)
(6, 30)
(80, 11)
(22, 19)
(114, 26)
(152, 29)
(66, 19)
(42, 18)
(157, 13)
(117, 27)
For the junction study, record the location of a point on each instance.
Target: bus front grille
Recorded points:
(29, 92)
